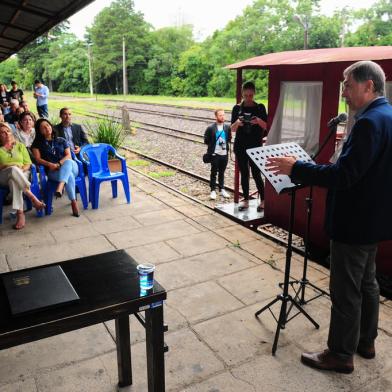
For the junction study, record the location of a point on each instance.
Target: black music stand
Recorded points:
(282, 184)
(300, 292)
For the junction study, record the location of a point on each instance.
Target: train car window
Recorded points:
(297, 117)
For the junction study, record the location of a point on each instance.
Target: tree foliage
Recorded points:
(168, 61)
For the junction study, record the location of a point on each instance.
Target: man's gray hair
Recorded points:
(362, 71)
(14, 102)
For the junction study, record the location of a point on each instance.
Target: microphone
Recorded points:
(333, 122)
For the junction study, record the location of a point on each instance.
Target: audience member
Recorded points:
(15, 92)
(12, 116)
(218, 136)
(25, 106)
(248, 120)
(41, 94)
(71, 132)
(15, 166)
(4, 95)
(55, 155)
(25, 133)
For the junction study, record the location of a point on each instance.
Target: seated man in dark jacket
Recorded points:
(73, 133)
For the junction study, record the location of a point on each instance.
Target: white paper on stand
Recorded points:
(260, 155)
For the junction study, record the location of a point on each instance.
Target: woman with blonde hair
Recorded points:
(15, 166)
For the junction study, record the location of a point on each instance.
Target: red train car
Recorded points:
(304, 94)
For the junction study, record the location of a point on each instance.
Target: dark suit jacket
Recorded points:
(79, 137)
(359, 202)
(210, 136)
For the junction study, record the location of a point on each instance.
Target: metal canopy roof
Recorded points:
(21, 21)
(316, 56)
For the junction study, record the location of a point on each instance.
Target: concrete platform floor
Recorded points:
(217, 275)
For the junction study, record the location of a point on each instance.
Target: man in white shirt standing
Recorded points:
(218, 136)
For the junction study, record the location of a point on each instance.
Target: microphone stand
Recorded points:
(300, 293)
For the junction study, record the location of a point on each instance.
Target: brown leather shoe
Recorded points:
(366, 350)
(325, 360)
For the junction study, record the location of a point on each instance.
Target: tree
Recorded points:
(167, 45)
(106, 35)
(376, 26)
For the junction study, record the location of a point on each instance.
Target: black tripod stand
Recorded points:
(300, 292)
(303, 282)
(285, 297)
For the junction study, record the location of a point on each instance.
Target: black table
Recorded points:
(108, 287)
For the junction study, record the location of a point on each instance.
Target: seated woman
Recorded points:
(25, 132)
(55, 155)
(15, 166)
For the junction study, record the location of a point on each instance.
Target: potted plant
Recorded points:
(107, 130)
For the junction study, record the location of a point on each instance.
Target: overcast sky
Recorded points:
(205, 15)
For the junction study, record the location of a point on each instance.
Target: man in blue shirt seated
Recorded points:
(71, 132)
(41, 94)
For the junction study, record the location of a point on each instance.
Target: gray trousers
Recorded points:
(355, 297)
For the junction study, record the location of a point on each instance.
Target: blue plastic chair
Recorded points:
(49, 186)
(35, 189)
(95, 157)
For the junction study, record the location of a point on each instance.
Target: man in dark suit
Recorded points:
(358, 216)
(218, 136)
(73, 133)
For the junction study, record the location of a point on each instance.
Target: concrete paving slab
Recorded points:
(3, 264)
(214, 221)
(17, 239)
(151, 234)
(264, 249)
(152, 218)
(73, 233)
(253, 285)
(168, 198)
(173, 319)
(285, 373)
(85, 376)
(50, 253)
(150, 204)
(115, 225)
(192, 211)
(224, 382)
(203, 301)
(197, 243)
(32, 358)
(188, 361)
(239, 336)
(20, 386)
(199, 268)
(237, 234)
(155, 253)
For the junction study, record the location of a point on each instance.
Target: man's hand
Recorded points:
(281, 165)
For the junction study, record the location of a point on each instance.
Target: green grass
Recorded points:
(137, 162)
(161, 174)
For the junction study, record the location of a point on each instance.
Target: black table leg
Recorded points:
(123, 343)
(155, 349)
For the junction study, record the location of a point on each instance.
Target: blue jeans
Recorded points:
(43, 111)
(67, 173)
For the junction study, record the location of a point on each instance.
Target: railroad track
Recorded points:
(167, 131)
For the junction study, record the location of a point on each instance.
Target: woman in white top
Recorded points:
(25, 132)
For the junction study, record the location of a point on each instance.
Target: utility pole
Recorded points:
(90, 69)
(305, 24)
(125, 80)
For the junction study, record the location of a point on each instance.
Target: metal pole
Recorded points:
(90, 70)
(125, 80)
(306, 33)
